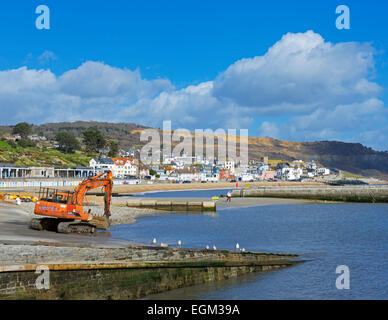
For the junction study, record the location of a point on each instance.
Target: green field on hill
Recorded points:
(34, 156)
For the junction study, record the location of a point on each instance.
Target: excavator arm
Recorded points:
(101, 180)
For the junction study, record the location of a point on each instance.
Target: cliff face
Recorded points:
(352, 157)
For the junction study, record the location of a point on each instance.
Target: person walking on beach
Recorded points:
(229, 197)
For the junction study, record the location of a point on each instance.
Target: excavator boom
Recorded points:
(100, 180)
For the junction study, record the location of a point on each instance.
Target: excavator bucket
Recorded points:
(100, 222)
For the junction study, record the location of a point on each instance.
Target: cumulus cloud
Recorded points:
(93, 91)
(96, 80)
(346, 121)
(323, 90)
(298, 74)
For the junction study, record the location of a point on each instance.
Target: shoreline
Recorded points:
(125, 269)
(160, 187)
(14, 220)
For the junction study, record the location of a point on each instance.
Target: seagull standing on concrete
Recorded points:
(207, 247)
(179, 243)
(214, 248)
(154, 241)
(237, 246)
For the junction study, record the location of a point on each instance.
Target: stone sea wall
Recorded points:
(122, 272)
(372, 194)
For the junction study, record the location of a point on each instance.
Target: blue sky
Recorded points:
(179, 61)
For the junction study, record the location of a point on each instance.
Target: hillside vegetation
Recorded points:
(350, 157)
(34, 156)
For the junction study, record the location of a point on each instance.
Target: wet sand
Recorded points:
(195, 186)
(14, 226)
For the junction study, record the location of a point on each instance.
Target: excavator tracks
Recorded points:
(49, 224)
(76, 227)
(56, 225)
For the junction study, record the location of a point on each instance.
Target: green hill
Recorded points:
(34, 156)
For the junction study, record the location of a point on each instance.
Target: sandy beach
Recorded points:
(195, 186)
(147, 187)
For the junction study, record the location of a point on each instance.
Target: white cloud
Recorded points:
(323, 90)
(298, 74)
(93, 91)
(353, 123)
(96, 79)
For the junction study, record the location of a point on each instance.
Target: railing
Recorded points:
(54, 183)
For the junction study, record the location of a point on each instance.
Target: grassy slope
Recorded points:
(41, 157)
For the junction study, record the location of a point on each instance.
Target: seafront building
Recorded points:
(181, 169)
(7, 172)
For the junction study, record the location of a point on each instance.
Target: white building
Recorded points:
(229, 165)
(248, 177)
(289, 173)
(311, 165)
(102, 165)
(185, 175)
(120, 167)
(124, 167)
(323, 171)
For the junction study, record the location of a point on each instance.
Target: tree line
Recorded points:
(93, 140)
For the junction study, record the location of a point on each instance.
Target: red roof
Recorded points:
(122, 161)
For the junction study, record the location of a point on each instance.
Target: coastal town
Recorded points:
(181, 169)
(128, 168)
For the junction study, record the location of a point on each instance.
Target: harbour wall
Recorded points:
(368, 194)
(122, 273)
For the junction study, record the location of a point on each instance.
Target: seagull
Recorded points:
(214, 248)
(207, 247)
(179, 243)
(154, 241)
(243, 249)
(237, 246)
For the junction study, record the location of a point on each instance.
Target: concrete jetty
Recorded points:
(172, 204)
(368, 194)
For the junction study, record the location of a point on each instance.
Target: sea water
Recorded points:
(325, 235)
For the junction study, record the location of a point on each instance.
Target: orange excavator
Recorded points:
(65, 211)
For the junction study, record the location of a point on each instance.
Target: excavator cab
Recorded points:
(53, 195)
